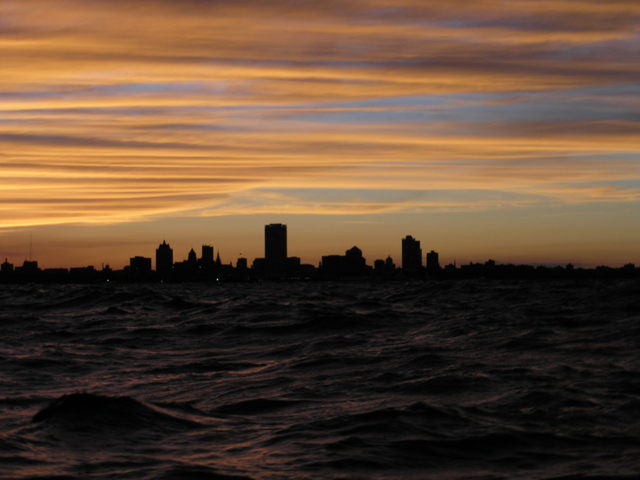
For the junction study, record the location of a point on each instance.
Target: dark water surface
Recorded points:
(463, 380)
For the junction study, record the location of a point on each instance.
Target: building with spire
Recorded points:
(164, 260)
(6, 268)
(192, 258)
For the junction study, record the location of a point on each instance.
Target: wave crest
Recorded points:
(87, 410)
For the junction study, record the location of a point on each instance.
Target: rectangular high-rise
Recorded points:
(411, 255)
(275, 244)
(206, 260)
(433, 262)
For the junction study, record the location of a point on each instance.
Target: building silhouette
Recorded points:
(433, 263)
(384, 268)
(259, 266)
(206, 260)
(29, 267)
(189, 269)
(192, 258)
(140, 265)
(275, 247)
(389, 265)
(331, 266)
(164, 260)
(351, 264)
(292, 266)
(6, 267)
(88, 274)
(354, 263)
(411, 256)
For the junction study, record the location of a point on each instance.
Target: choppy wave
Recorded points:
(90, 412)
(453, 380)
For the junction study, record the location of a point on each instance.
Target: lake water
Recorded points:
(443, 380)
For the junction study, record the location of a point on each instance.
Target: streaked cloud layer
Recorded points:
(124, 111)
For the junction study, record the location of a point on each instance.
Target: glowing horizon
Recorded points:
(511, 128)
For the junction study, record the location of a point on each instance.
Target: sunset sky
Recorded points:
(486, 129)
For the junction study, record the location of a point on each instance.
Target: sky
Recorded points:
(485, 129)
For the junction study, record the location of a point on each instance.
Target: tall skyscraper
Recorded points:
(275, 245)
(411, 255)
(164, 259)
(207, 256)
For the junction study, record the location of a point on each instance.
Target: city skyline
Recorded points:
(410, 256)
(486, 129)
(274, 257)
